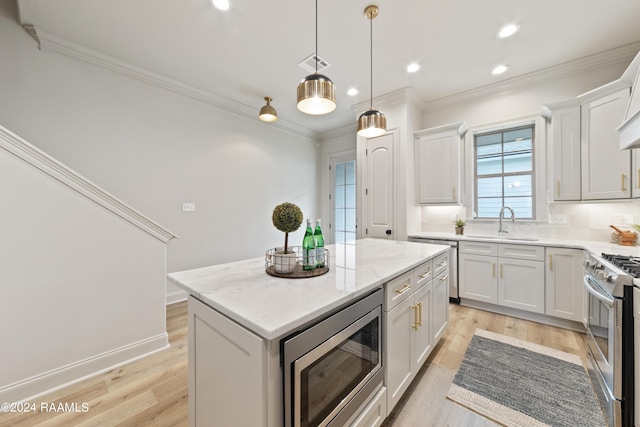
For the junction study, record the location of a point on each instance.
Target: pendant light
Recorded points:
(371, 123)
(267, 112)
(316, 93)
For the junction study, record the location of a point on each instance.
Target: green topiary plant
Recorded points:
(287, 218)
(460, 223)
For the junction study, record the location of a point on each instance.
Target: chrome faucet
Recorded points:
(513, 218)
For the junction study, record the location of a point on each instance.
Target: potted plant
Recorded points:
(460, 226)
(287, 218)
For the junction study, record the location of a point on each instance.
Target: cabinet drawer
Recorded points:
(398, 289)
(479, 248)
(534, 253)
(423, 274)
(440, 263)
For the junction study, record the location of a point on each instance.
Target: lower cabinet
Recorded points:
(504, 274)
(563, 283)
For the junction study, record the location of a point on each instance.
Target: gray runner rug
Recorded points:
(521, 384)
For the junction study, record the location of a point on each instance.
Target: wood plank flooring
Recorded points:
(153, 391)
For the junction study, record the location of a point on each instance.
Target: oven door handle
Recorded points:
(593, 291)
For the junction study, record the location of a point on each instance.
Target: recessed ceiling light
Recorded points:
(499, 69)
(508, 30)
(412, 68)
(221, 4)
(352, 92)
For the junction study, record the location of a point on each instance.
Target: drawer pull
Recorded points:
(443, 278)
(622, 183)
(442, 264)
(425, 275)
(403, 290)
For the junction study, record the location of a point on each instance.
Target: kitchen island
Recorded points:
(238, 315)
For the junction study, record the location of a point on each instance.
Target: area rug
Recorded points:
(521, 384)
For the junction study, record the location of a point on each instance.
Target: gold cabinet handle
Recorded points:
(558, 188)
(454, 193)
(638, 178)
(443, 278)
(419, 313)
(550, 261)
(415, 316)
(622, 182)
(403, 290)
(493, 269)
(425, 275)
(442, 264)
(501, 270)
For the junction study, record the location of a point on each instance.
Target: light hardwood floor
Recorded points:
(153, 391)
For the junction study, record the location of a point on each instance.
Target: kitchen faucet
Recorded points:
(513, 218)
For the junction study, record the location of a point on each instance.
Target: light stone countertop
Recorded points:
(274, 307)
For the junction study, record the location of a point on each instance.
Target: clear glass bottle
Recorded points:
(319, 240)
(308, 249)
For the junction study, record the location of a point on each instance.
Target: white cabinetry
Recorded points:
(566, 152)
(606, 168)
(636, 344)
(507, 275)
(563, 285)
(225, 353)
(438, 167)
(416, 316)
(635, 173)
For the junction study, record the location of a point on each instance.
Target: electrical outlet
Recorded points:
(627, 219)
(188, 207)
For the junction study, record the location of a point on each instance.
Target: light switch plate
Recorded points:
(188, 207)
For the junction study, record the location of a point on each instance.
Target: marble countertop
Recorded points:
(274, 307)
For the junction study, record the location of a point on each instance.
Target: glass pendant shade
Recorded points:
(268, 113)
(316, 95)
(372, 123)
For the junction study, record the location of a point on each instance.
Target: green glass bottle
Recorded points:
(319, 238)
(308, 249)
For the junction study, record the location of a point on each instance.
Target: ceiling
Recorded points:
(253, 49)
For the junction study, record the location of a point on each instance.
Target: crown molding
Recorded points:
(404, 95)
(620, 55)
(53, 43)
(47, 164)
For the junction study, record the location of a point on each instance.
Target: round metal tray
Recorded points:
(291, 266)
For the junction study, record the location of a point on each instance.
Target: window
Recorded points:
(504, 172)
(344, 200)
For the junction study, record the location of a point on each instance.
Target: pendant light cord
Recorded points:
(371, 59)
(316, 58)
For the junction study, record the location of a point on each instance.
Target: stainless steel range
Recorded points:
(609, 282)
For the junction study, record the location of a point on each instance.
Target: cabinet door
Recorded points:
(605, 168)
(478, 280)
(563, 284)
(635, 173)
(399, 326)
(422, 344)
(521, 284)
(440, 306)
(437, 168)
(566, 153)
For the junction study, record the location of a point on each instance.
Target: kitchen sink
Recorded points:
(479, 236)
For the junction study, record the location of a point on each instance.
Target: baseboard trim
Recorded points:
(49, 382)
(176, 296)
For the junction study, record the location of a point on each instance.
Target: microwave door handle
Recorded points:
(603, 298)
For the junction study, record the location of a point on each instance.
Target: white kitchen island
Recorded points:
(238, 314)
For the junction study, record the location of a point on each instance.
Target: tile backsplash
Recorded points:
(576, 221)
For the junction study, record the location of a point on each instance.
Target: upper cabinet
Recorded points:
(606, 168)
(587, 161)
(438, 168)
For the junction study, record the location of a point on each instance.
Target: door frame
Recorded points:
(333, 158)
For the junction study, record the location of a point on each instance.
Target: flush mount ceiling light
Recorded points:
(508, 30)
(267, 112)
(316, 93)
(352, 92)
(371, 123)
(413, 67)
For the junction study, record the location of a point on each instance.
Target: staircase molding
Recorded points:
(20, 148)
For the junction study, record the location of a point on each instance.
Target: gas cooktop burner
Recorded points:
(627, 263)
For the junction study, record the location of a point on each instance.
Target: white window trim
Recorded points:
(541, 211)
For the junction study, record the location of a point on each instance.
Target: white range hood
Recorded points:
(629, 130)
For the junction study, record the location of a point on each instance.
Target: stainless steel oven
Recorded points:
(609, 338)
(333, 367)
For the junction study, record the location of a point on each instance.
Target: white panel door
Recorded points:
(380, 187)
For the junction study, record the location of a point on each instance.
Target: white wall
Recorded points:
(156, 149)
(585, 220)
